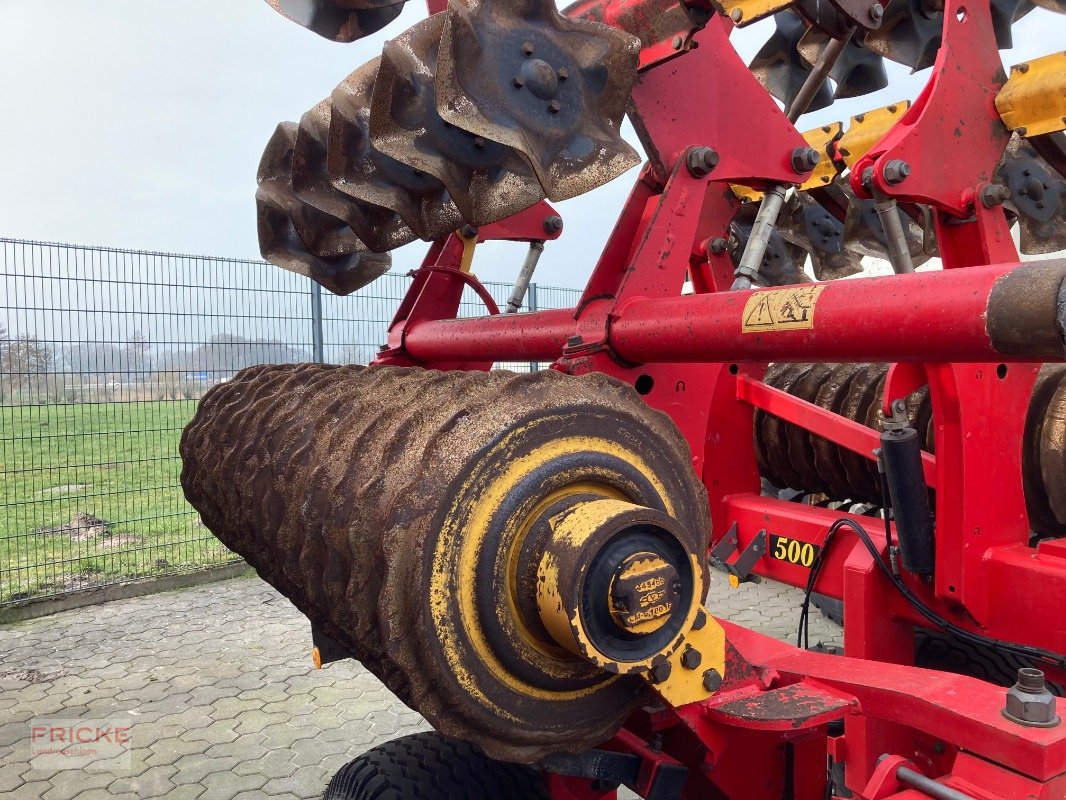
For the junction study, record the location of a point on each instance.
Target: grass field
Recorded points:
(115, 461)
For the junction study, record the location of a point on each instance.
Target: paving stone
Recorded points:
(222, 697)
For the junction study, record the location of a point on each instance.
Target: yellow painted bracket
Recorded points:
(697, 667)
(1033, 100)
(867, 129)
(746, 192)
(822, 175)
(469, 244)
(745, 12)
(826, 170)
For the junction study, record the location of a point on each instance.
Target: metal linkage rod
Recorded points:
(929, 787)
(899, 253)
(525, 275)
(819, 72)
(747, 271)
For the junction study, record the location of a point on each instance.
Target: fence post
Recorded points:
(317, 344)
(531, 303)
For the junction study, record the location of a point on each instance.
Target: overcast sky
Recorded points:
(139, 123)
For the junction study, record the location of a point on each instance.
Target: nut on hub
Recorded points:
(616, 585)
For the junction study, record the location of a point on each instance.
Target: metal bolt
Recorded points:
(677, 42)
(877, 13)
(553, 224)
(994, 195)
(699, 621)
(554, 106)
(691, 657)
(563, 73)
(1022, 68)
(468, 231)
(527, 48)
(892, 109)
(712, 681)
(479, 142)
(574, 341)
(718, 245)
(896, 171)
(518, 81)
(701, 160)
(804, 159)
(1029, 702)
(736, 15)
(660, 672)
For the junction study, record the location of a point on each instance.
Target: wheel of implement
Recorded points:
(429, 766)
(508, 553)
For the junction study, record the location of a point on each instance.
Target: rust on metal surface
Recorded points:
(340, 20)
(795, 707)
(418, 201)
(1026, 310)
(486, 180)
(395, 507)
(552, 88)
(300, 238)
(377, 226)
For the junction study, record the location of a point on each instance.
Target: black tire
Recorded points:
(945, 653)
(831, 608)
(429, 766)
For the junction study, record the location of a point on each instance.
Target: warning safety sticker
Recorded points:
(789, 309)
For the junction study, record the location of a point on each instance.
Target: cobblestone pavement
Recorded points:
(217, 684)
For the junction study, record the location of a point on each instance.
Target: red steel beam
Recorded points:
(1005, 312)
(840, 430)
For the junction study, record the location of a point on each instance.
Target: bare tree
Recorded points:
(138, 356)
(24, 362)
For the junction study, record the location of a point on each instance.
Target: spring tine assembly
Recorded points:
(554, 89)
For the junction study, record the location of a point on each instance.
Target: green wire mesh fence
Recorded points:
(103, 356)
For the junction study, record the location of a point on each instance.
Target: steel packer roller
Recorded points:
(522, 558)
(518, 557)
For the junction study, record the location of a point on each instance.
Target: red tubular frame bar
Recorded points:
(891, 318)
(700, 364)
